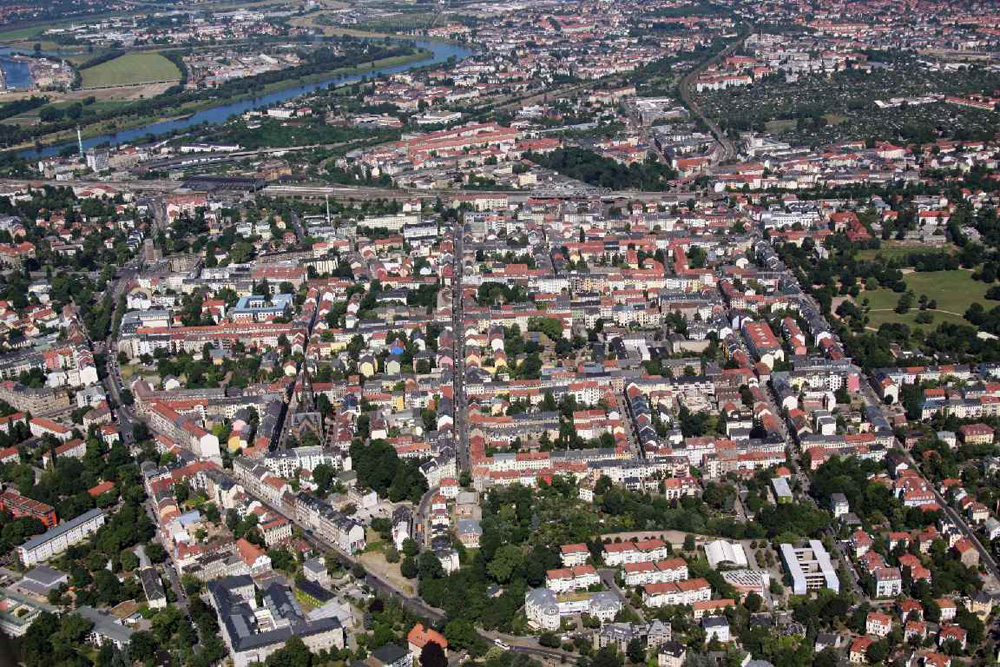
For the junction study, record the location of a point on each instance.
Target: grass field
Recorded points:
(20, 34)
(781, 125)
(954, 292)
(896, 249)
(130, 69)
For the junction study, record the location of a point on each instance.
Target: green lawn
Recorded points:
(19, 34)
(897, 249)
(132, 68)
(781, 125)
(954, 292)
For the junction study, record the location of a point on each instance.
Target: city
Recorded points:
(472, 334)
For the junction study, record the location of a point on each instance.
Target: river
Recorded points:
(16, 74)
(440, 52)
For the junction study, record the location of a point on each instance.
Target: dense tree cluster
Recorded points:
(589, 167)
(379, 468)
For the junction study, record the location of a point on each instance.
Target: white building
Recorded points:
(545, 609)
(60, 538)
(810, 568)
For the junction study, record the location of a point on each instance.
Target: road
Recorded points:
(355, 193)
(113, 379)
(607, 576)
(985, 557)
(168, 566)
(458, 329)
(685, 88)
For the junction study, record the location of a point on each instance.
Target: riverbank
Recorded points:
(214, 112)
(185, 111)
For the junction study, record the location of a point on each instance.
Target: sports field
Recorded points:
(954, 292)
(130, 69)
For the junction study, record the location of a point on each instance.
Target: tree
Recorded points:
(432, 655)
(606, 657)
(877, 651)
(826, 658)
(636, 651)
(429, 566)
(294, 653)
(689, 543)
(129, 561)
(324, 475)
(752, 602)
(156, 552)
(74, 628)
(461, 633)
(166, 623)
(506, 559)
(142, 646)
(408, 568)
(410, 547)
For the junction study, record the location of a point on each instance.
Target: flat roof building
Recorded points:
(810, 568)
(56, 540)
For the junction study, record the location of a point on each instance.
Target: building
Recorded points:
(976, 434)
(17, 614)
(56, 540)
(574, 554)
(639, 574)
(18, 505)
(839, 505)
(888, 582)
(572, 578)
(781, 491)
(858, 654)
(153, 588)
(722, 552)
(42, 580)
(878, 624)
(674, 593)
(716, 627)
(257, 622)
(389, 655)
(671, 654)
(545, 609)
(106, 629)
(642, 551)
(810, 568)
(418, 637)
(315, 570)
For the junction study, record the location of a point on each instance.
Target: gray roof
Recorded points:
(151, 584)
(55, 532)
(45, 575)
(240, 623)
(467, 526)
(389, 653)
(106, 625)
(314, 565)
